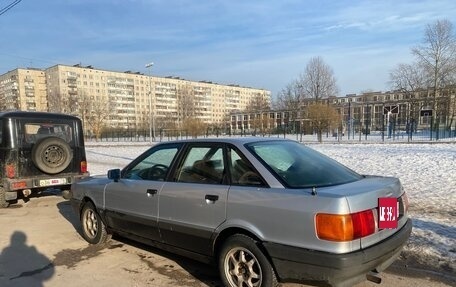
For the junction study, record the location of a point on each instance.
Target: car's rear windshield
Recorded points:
(35, 131)
(298, 166)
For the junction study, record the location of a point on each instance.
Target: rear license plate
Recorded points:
(388, 213)
(53, 181)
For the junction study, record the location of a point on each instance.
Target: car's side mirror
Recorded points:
(114, 174)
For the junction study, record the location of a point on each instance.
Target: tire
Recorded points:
(3, 202)
(51, 155)
(242, 263)
(93, 228)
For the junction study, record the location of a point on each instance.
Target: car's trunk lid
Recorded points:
(364, 194)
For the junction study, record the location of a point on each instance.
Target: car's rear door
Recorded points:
(131, 203)
(192, 206)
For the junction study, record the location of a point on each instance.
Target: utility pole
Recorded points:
(349, 118)
(151, 112)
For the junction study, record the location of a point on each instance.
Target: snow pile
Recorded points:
(427, 172)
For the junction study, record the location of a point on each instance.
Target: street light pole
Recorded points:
(151, 113)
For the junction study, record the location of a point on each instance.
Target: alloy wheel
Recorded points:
(242, 268)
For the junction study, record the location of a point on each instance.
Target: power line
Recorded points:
(11, 5)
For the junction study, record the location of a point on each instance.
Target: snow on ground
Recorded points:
(427, 172)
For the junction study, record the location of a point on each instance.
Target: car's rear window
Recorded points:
(298, 166)
(36, 131)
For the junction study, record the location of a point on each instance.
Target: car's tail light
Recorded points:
(403, 205)
(345, 227)
(83, 166)
(10, 171)
(405, 202)
(363, 223)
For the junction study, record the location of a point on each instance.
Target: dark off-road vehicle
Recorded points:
(39, 151)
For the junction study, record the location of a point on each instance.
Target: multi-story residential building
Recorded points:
(133, 98)
(23, 89)
(84, 90)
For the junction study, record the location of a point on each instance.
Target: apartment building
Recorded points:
(373, 111)
(23, 89)
(133, 98)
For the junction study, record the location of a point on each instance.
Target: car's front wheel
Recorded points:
(93, 228)
(243, 264)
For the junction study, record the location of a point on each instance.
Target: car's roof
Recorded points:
(230, 140)
(24, 114)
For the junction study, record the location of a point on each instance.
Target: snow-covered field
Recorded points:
(427, 171)
(428, 174)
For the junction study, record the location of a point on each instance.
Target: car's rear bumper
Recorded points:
(326, 269)
(39, 182)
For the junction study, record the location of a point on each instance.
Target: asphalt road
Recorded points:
(40, 245)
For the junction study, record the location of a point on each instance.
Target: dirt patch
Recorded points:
(71, 257)
(179, 275)
(410, 264)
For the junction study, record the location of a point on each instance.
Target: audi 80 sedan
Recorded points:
(264, 210)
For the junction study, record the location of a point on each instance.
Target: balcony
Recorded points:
(72, 75)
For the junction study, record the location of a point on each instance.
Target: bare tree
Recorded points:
(98, 115)
(322, 117)
(258, 103)
(450, 100)
(55, 102)
(260, 123)
(410, 80)
(83, 106)
(290, 97)
(407, 78)
(452, 110)
(437, 55)
(185, 104)
(194, 127)
(318, 80)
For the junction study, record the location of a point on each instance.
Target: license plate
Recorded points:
(388, 213)
(53, 181)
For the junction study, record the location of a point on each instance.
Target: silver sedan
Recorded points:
(264, 210)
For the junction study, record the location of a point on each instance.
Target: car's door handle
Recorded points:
(211, 198)
(151, 192)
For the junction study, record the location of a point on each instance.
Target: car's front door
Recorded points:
(131, 203)
(194, 204)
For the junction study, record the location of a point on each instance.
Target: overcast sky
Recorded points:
(263, 44)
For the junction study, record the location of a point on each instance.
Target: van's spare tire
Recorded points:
(51, 155)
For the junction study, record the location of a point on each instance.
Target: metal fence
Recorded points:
(355, 133)
(138, 136)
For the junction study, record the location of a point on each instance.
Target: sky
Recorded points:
(258, 43)
(425, 170)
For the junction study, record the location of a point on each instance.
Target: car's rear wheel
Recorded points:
(93, 228)
(243, 264)
(52, 155)
(3, 202)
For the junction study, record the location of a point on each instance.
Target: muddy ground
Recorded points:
(40, 245)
